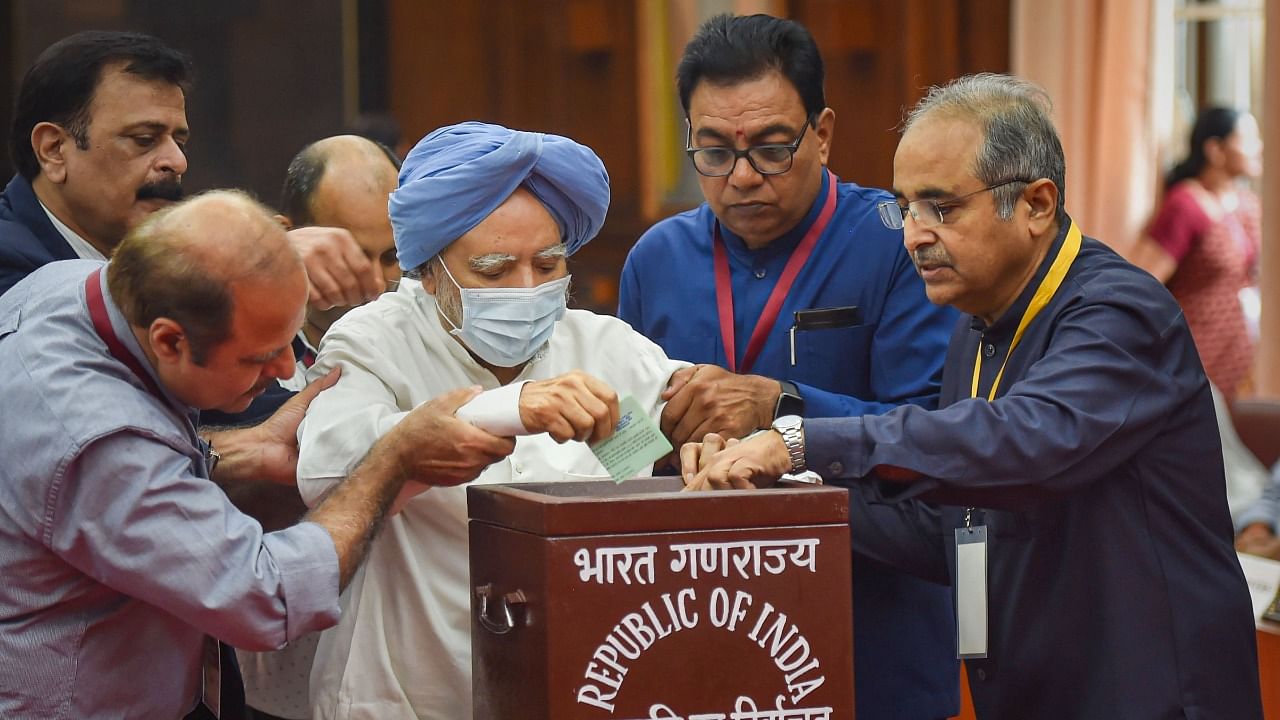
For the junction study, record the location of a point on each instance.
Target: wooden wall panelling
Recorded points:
(880, 55)
(570, 67)
(559, 66)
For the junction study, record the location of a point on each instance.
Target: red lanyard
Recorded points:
(102, 324)
(769, 317)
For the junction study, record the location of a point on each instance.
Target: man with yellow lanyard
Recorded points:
(1090, 546)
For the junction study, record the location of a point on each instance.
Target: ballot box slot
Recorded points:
(649, 505)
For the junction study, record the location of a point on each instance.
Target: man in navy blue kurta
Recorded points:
(1077, 426)
(757, 83)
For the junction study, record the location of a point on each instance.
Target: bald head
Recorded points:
(185, 262)
(328, 172)
(343, 182)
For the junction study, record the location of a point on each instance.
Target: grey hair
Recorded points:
(484, 263)
(1019, 138)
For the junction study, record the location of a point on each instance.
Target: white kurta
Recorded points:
(403, 646)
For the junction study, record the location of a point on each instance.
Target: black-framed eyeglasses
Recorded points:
(927, 212)
(771, 159)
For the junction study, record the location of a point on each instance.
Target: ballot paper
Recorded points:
(635, 444)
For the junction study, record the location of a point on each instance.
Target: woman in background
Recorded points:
(1207, 235)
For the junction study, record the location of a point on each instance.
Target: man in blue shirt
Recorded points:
(121, 559)
(1091, 542)
(787, 278)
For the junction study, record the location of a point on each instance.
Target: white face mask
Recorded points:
(507, 326)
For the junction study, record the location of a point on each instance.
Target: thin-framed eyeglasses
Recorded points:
(770, 159)
(928, 212)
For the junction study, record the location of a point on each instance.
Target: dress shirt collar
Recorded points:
(79, 245)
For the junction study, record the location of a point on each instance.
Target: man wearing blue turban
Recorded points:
(485, 217)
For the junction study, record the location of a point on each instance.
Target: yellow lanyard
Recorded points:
(1048, 286)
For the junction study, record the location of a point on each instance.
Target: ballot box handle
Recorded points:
(506, 609)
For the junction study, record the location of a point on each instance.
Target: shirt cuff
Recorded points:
(835, 447)
(308, 564)
(1256, 513)
(496, 411)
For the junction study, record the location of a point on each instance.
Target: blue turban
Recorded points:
(457, 175)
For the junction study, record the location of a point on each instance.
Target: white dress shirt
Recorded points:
(403, 646)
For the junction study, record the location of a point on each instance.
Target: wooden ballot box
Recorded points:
(635, 601)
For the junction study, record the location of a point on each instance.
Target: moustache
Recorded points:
(168, 189)
(932, 255)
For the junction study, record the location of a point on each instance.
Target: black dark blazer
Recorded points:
(27, 239)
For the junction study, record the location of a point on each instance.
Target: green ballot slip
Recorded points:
(635, 443)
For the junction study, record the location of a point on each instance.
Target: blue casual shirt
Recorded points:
(1266, 509)
(1114, 590)
(893, 356)
(904, 633)
(117, 552)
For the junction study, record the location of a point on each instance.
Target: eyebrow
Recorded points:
(551, 251)
(774, 129)
(926, 193)
(267, 357)
(156, 127)
(492, 261)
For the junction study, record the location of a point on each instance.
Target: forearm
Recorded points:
(353, 511)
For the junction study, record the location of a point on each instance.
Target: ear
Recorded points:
(168, 342)
(283, 222)
(825, 131)
(1214, 153)
(429, 279)
(1042, 198)
(49, 141)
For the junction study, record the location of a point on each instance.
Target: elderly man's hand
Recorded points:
(573, 406)
(720, 464)
(339, 272)
(435, 448)
(709, 399)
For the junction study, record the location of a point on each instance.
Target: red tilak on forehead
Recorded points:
(740, 133)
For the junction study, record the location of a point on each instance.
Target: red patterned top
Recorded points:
(1216, 259)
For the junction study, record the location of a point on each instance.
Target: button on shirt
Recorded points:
(904, 645)
(1111, 567)
(118, 554)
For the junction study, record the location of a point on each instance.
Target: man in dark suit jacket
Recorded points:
(98, 143)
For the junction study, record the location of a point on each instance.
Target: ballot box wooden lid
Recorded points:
(655, 504)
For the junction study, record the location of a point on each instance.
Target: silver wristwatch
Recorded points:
(791, 428)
